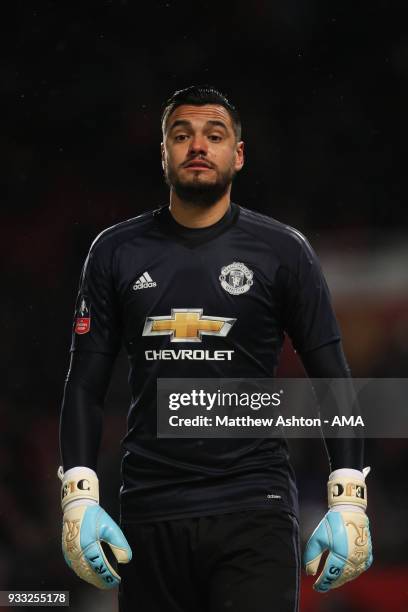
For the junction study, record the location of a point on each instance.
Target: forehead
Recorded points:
(200, 114)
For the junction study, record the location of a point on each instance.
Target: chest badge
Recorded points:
(236, 278)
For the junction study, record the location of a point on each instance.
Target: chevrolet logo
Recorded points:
(187, 325)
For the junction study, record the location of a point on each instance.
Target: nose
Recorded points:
(198, 145)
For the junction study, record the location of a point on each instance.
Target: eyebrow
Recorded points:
(185, 123)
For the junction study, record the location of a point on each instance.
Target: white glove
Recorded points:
(344, 531)
(85, 526)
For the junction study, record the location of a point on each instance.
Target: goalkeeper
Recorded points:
(205, 525)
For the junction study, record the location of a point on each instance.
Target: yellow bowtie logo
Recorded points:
(187, 325)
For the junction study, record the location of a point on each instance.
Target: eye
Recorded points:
(180, 137)
(215, 137)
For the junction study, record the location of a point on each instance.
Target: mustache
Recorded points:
(197, 159)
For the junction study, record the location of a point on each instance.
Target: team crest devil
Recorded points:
(236, 278)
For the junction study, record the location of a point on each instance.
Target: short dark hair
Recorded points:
(198, 96)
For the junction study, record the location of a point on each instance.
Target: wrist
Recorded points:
(347, 508)
(78, 484)
(79, 470)
(79, 502)
(346, 487)
(346, 473)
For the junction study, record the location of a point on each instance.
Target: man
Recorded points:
(212, 523)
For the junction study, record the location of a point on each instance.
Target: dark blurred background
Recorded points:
(322, 88)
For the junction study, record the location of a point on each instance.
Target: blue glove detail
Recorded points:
(346, 535)
(84, 528)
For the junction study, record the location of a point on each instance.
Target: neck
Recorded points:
(190, 215)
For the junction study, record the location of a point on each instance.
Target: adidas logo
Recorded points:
(144, 282)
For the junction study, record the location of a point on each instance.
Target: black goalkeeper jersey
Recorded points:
(153, 285)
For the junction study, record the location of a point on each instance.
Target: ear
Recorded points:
(239, 151)
(162, 153)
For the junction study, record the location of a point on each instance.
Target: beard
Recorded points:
(200, 193)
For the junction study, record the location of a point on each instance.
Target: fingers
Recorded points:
(312, 566)
(108, 531)
(317, 544)
(99, 572)
(332, 572)
(123, 555)
(85, 527)
(347, 537)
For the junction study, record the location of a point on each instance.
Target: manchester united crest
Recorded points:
(236, 278)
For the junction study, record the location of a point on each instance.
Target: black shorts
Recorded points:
(240, 562)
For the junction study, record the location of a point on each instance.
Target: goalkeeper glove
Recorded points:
(344, 531)
(85, 525)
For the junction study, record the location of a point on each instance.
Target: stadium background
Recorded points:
(323, 91)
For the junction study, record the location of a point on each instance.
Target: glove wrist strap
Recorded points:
(347, 486)
(80, 483)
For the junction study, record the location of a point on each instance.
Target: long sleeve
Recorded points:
(82, 408)
(329, 362)
(96, 339)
